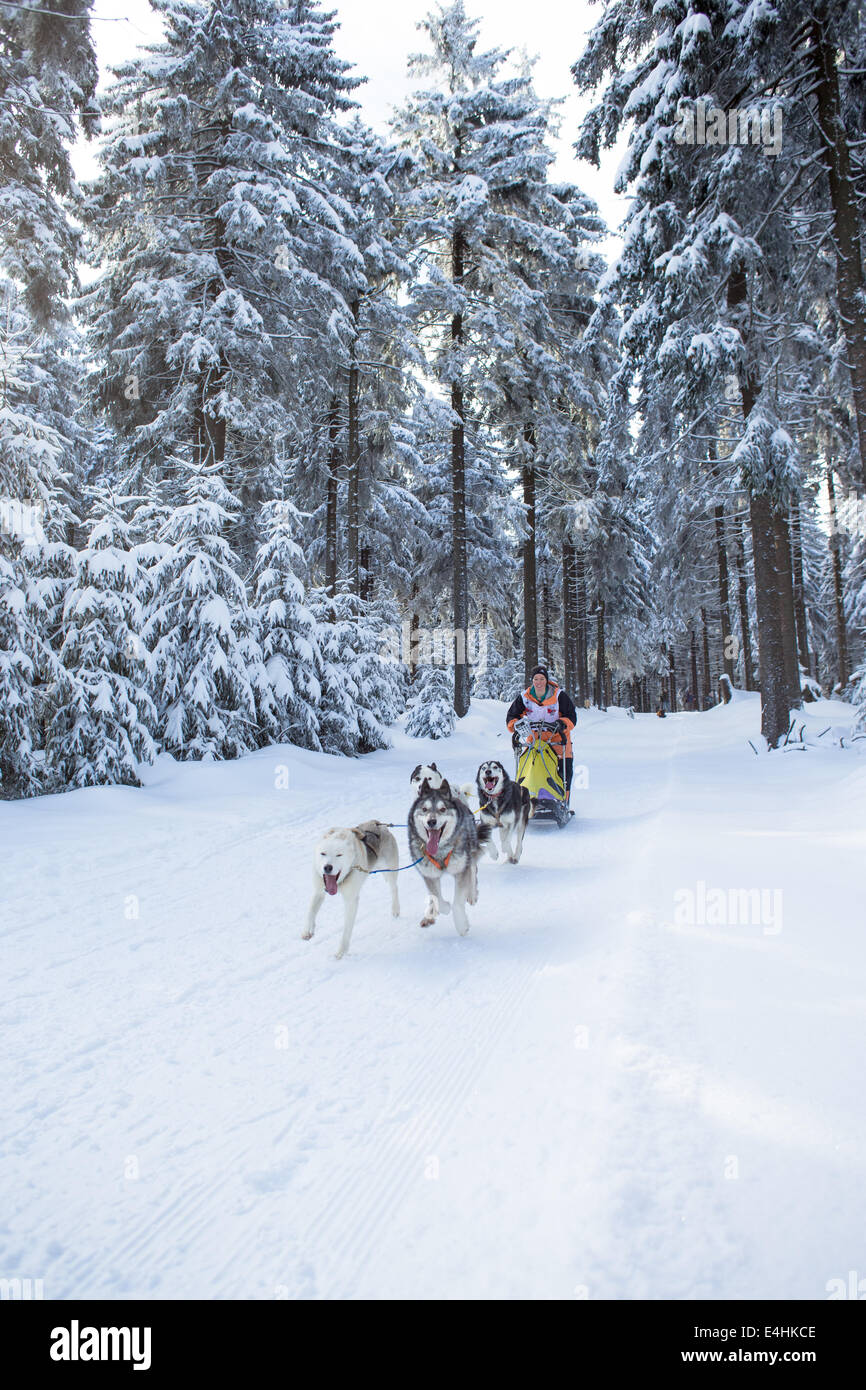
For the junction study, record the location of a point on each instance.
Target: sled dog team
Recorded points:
(444, 838)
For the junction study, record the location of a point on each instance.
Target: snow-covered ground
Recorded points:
(604, 1091)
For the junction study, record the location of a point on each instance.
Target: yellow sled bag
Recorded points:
(540, 771)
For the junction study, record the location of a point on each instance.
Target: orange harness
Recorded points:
(436, 861)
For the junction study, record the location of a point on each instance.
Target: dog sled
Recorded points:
(541, 770)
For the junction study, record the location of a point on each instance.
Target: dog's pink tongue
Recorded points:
(330, 883)
(433, 838)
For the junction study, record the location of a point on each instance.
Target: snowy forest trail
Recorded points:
(588, 1096)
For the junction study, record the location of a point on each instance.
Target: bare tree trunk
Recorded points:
(705, 671)
(599, 656)
(353, 460)
(743, 600)
(846, 233)
(773, 672)
(530, 609)
(775, 710)
(582, 629)
(331, 510)
(835, 560)
(724, 597)
(800, 589)
(409, 657)
(785, 578)
(693, 658)
(673, 680)
(460, 572)
(569, 634)
(545, 619)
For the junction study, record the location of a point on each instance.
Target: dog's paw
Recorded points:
(307, 935)
(512, 859)
(462, 931)
(426, 921)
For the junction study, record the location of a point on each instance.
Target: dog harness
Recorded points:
(436, 861)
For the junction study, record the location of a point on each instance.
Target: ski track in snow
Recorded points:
(581, 1099)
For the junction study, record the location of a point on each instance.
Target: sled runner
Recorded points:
(541, 770)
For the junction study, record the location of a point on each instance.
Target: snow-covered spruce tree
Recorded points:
(100, 716)
(24, 655)
(479, 214)
(225, 236)
(355, 460)
(709, 250)
(47, 80)
(492, 522)
(286, 632)
(811, 53)
(384, 364)
(499, 677)
(362, 685)
(206, 666)
(431, 707)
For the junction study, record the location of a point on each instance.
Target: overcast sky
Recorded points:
(378, 35)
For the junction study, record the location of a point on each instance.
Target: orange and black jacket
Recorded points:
(528, 705)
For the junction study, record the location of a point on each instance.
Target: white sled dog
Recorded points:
(444, 837)
(429, 773)
(341, 863)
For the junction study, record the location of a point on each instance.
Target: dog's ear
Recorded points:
(433, 767)
(415, 773)
(444, 788)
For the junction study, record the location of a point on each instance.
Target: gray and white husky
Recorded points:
(342, 861)
(444, 836)
(506, 806)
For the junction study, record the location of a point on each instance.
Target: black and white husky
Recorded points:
(342, 861)
(506, 806)
(444, 836)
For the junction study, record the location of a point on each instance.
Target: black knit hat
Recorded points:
(540, 671)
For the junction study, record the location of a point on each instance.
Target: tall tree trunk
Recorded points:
(693, 658)
(460, 571)
(545, 619)
(836, 562)
(772, 669)
(530, 605)
(705, 666)
(569, 636)
(785, 579)
(582, 628)
(366, 572)
(775, 710)
(672, 680)
(599, 656)
(850, 287)
(739, 553)
(800, 589)
(353, 462)
(724, 597)
(331, 508)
